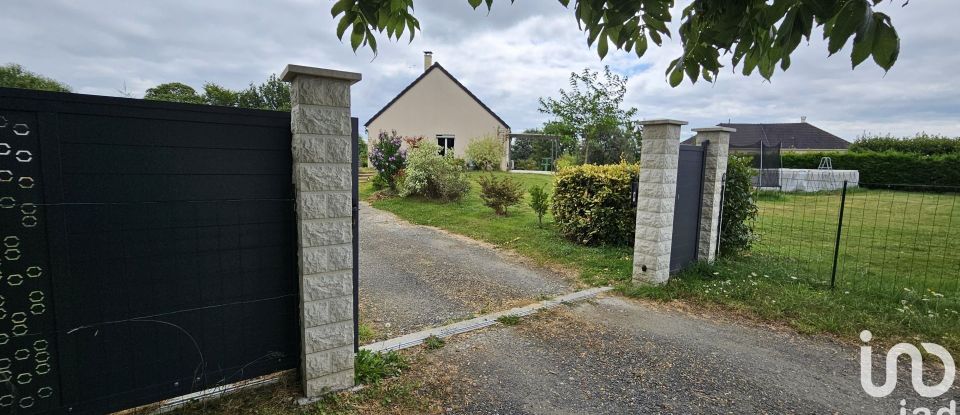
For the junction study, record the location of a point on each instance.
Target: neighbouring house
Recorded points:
(436, 106)
(794, 137)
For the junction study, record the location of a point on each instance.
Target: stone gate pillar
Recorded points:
(656, 197)
(320, 124)
(715, 165)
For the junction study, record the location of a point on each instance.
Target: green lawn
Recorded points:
(893, 243)
(898, 273)
(518, 231)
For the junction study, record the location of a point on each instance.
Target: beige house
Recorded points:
(436, 106)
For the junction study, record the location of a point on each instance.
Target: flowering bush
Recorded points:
(431, 175)
(388, 158)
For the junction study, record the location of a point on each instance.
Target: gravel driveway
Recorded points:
(414, 277)
(618, 356)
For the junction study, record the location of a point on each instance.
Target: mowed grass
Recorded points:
(518, 231)
(892, 243)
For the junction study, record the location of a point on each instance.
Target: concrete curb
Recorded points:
(414, 339)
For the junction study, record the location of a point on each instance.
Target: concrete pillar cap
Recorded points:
(662, 122)
(715, 129)
(292, 71)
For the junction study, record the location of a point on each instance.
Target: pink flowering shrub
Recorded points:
(388, 158)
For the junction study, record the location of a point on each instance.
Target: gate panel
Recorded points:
(686, 219)
(173, 239)
(29, 381)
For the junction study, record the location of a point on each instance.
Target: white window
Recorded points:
(445, 141)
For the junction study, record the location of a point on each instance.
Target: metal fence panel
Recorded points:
(171, 237)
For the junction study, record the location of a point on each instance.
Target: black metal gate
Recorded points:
(149, 250)
(686, 216)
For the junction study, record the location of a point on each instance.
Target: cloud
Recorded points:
(509, 57)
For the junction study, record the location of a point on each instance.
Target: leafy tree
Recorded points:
(15, 76)
(174, 92)
(271, 95)
(592, 112)
(539, 202)
(214, 94)
(760, 34)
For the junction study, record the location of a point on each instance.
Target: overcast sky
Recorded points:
(509, 58)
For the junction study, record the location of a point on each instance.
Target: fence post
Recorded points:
(320, 122)
(715, 167)
(836, 248)
(656, 199)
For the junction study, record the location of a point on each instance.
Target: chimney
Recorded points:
(427, 60)
(803, 118)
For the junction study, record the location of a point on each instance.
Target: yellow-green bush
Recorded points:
(592, 205)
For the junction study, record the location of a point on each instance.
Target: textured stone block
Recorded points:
(657, 190)
(331, 310)
(660, 146)
(314, 205)
(320, 364)
(648, 204)
(312, 177)
(653, 248)
(330, 336)
(322, 232)
(315, 119)
(313, 148)
(329, 285)
(317, 91)
(648, 233)
(654, 219)
(319, 259)
(659, 161)
(332, 382)
(658, 176)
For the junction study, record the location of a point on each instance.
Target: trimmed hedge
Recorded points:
(592, 204)
(885, 168)
(921, 144)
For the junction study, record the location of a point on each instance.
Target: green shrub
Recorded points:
(371, 367)
(528, 164)
(539, 202)
(888, 167)
(564, 161)
(434, 176)
(499, 194)
(592, 204)
(388, 158)
(378, 182)
(739, 207)
(920, 144)
(485, 153)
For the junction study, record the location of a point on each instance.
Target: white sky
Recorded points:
(509, 58)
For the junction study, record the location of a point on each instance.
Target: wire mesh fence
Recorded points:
(887, 240)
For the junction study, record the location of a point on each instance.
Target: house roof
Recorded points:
(800, 135)
(436, 66)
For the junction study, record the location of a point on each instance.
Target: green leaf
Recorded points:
(340, 7)
(676, 77)
(886, 46)
(693, 72)
(602, 47)
(641, 46)
(356, 38)
(863, 42)
(845, 23)
(655, 24)
(475, 3)
(343, 25)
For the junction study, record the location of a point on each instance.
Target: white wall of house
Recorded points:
(438, 106)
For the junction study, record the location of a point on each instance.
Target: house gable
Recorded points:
(437, 87)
